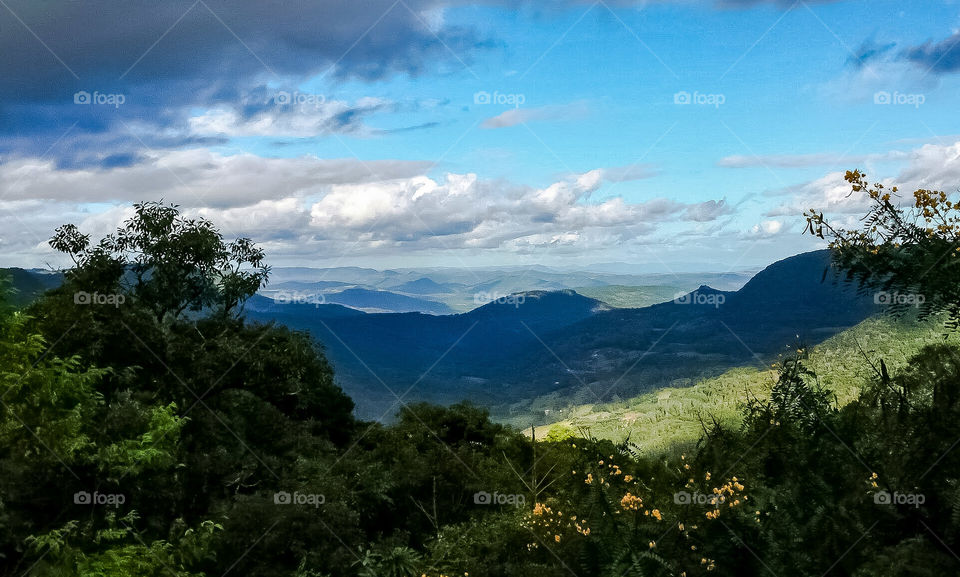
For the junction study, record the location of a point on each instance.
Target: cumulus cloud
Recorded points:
(829, 193)
(196, 177)
(469, 211)
(310, 206)
(931, 166)
(767, 228)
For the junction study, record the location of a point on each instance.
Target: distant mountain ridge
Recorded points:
(527, 344)
(539, 342)
(451, 290)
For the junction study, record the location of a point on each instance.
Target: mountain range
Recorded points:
(450, 290)
(508, 352)
(523, 346)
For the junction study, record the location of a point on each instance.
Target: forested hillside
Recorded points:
(845, 364)
(507, 353)
(149, 428)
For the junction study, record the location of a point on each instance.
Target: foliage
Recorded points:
(168, 262)
(673, 417)
(913, 251)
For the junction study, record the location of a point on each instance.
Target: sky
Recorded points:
(414, 133)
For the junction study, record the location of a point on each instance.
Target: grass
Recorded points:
(673, 416)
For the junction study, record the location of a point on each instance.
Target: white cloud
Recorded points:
(807, 160)
(195, 177)
(884, 74)
(516, 116)
(830, 194)
(767, 228)
(315, 116)
(310, 207)
(932, 166)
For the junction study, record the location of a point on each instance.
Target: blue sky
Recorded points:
(648, 132)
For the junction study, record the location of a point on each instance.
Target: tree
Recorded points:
(62, 447)
(168, 262)
(205, 415)
(914, 252)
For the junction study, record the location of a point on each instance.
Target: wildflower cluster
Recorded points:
(610, 471)
(553, 525)
(730, 493)
(939, 213)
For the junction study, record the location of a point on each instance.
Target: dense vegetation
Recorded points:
(148, 428)
(674, 416)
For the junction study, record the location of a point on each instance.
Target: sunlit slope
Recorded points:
(673, 415)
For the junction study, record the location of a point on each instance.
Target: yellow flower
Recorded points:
(631, 502)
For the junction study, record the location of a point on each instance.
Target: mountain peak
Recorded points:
(561, 303)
